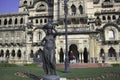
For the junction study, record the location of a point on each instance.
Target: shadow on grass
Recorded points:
(29, 75)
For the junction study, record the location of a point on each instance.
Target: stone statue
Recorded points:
(48, 55)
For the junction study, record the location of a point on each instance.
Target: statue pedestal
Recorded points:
(51, 77)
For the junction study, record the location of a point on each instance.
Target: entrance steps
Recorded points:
(85, 65)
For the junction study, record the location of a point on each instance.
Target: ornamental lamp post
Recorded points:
(67, 63)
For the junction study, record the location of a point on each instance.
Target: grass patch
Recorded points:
(116, 65)
(7, 65)
(30, 65)
(8, 73)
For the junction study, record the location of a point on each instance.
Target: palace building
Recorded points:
(93, 30)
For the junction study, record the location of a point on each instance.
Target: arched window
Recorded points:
(111, 34)
(7, 53)
(36, 21)
(41, 21)
(73, 9)
(45, 20)
(107, 1)
(112, 52)
(30, 2)
(31, 54)
(10, 21)
(5, 22)
(0, 21)
(113, 17)
(81, 9)
(39, 36)
(16, 21)
(25, 2)
(109, 18)
(98, 21)
(19, 53)
(102, 53)
(21, 21)
(13, 53)
(41, 7)
(104, 18)
(2, 53)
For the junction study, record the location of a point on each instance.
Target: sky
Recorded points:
(9, 6)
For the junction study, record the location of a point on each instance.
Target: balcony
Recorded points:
(74, 16)
(113, 42)
(107, 4)
(76, 30)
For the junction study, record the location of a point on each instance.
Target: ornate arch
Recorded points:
(41, 6)
(81, 9)
(112, 52)
(111, 24)
(73, 9)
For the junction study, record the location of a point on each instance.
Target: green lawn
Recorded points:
(8, 73)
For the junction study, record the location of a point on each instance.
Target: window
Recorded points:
(113, 17)
(31, 54)
(19, 54)
(36, 21)
(16, 21)
(112, 52)
(30, 2)
(10, 21)
(81, 9)
(111, 34)
(7, 54)
(41, 21)
(102, 53)
(21, 21)
(5, 22)
(2, 53)
(25, 2)
(41, 7)
(104, 18)
(45, 20)
(73, 9)
(13, 53)
(39, 35)
(107, 1)
(109, 18)
(0, 22)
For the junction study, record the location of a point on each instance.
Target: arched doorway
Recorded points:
(38, 56)
(102, 55)
(7, 53)
(31, 54)
(85, 55)
(74, 49)
(2, 53)
(112, 52)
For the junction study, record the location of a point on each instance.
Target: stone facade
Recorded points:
(92, 24)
